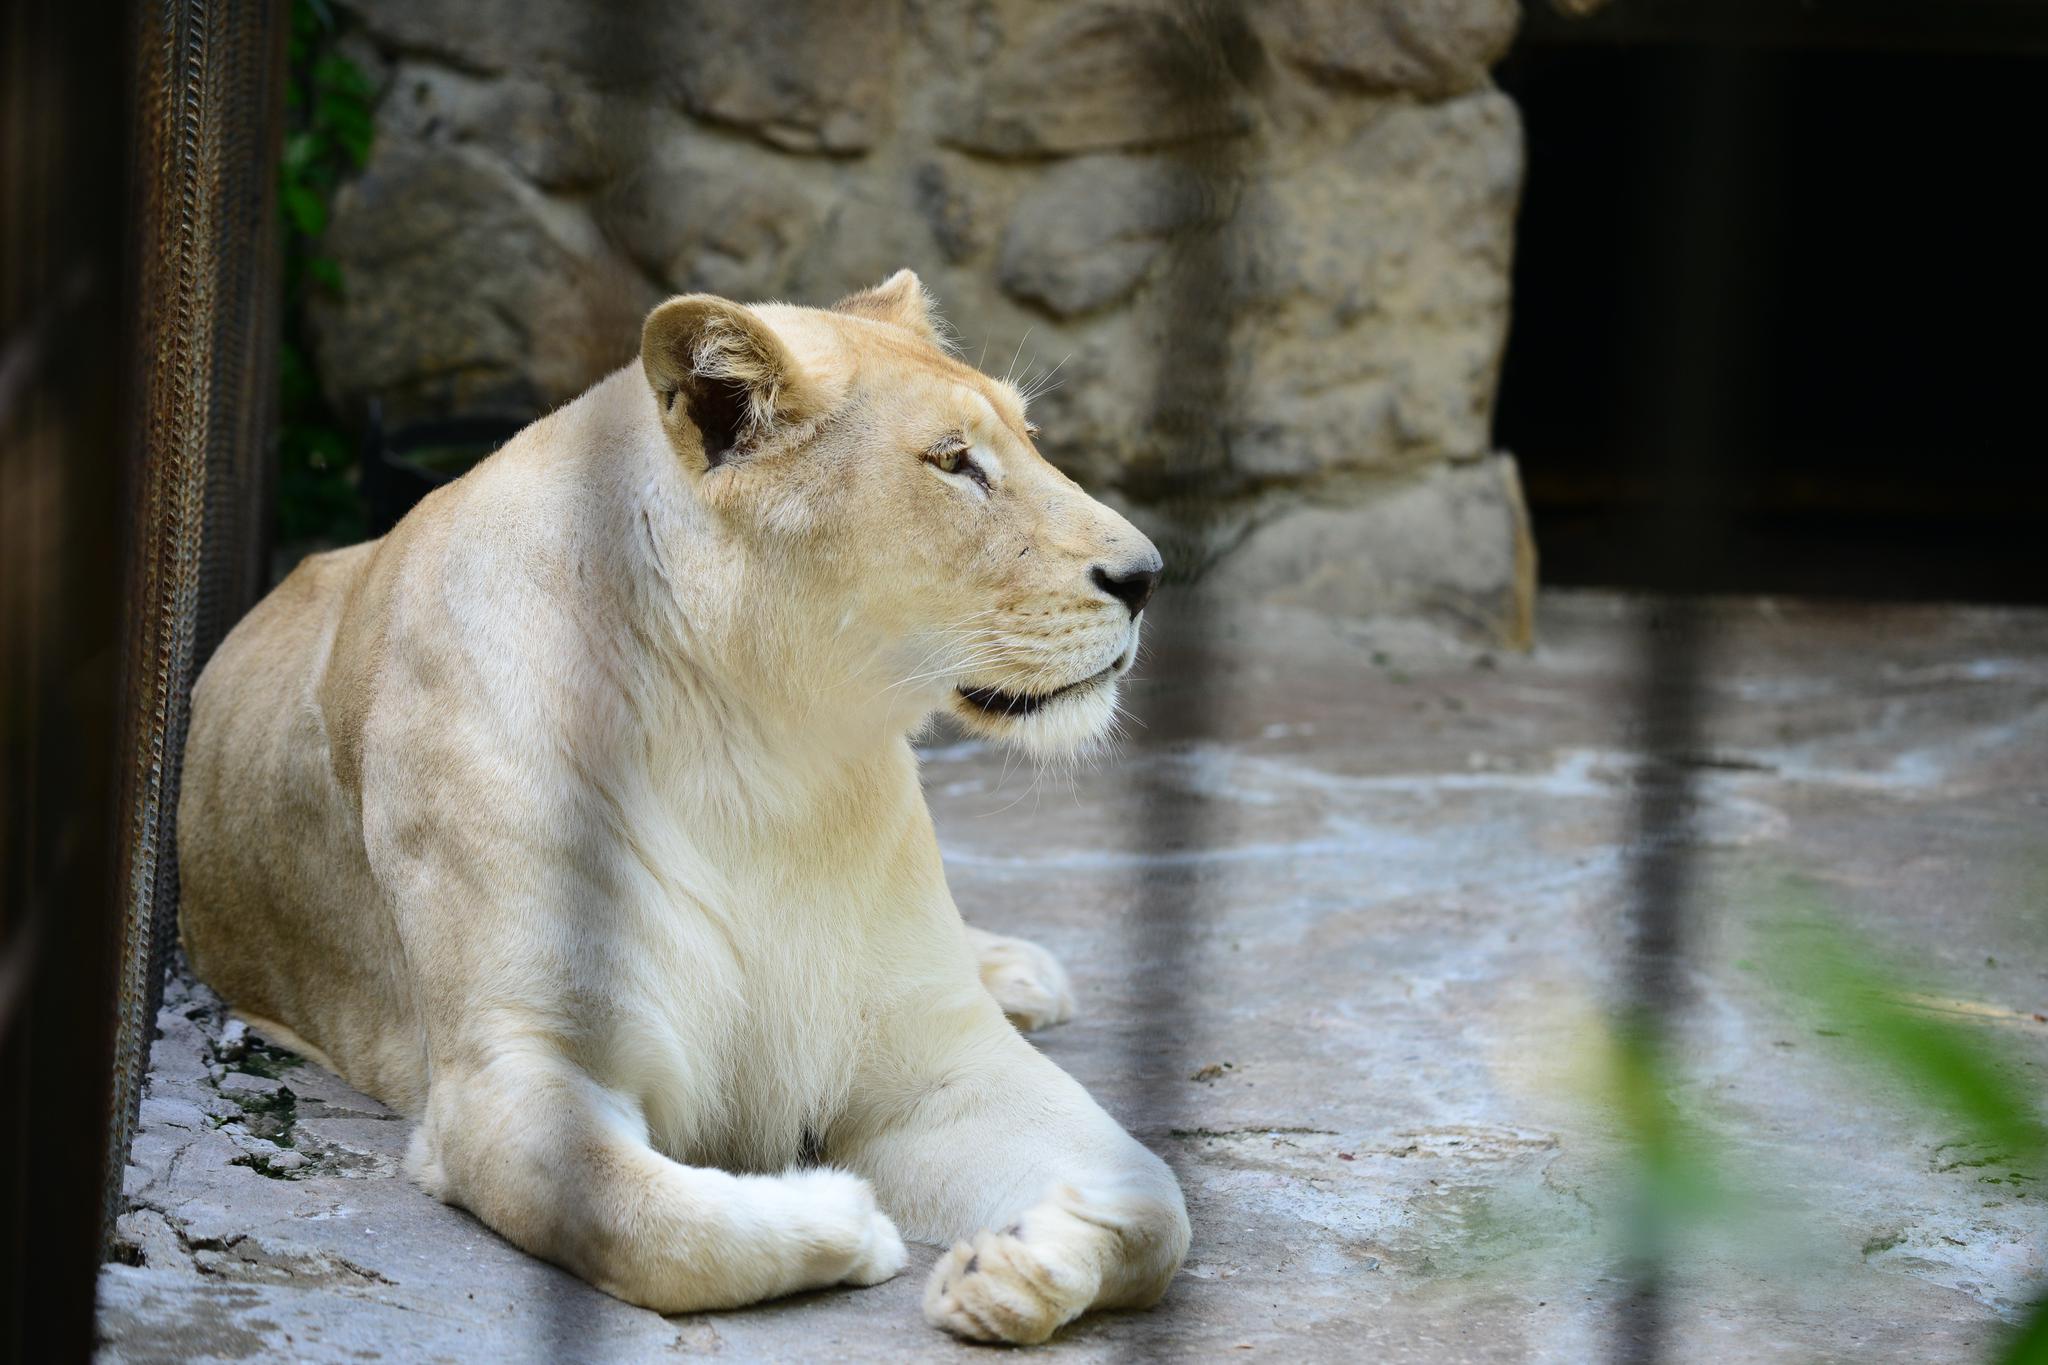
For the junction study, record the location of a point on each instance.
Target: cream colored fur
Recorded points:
(578, 819)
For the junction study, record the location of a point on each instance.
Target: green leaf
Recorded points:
(304, 210)
(329, 445)
(1954, 1067)
(2030, 1347)
(351, 119)
(342, 76)
(301, 150)
(357, 144)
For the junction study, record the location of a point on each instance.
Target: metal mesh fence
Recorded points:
(210, 82)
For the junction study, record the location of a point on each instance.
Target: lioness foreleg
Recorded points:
(561, 1166)
(1056, 1210)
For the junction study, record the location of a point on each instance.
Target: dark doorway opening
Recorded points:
(1878, 262)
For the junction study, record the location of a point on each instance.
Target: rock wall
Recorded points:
(545, 172)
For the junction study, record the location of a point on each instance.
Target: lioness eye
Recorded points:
(1031, 430)
(951, 457)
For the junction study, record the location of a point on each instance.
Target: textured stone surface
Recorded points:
(700, 214)
(474, 291)
(1092, 76)
(1378, 293)
(1431, 48)
(1391, 554)
(1084, 235)
(549, 132)
(1390, 878)
(544, 171)
(807, 74)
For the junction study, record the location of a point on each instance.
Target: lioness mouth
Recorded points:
(997, 702)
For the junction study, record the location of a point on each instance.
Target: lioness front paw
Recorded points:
(854, 1241)
(880, 1256)
(1026, 980)
(1000, 1287)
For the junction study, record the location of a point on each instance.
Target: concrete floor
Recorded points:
(1345, 972)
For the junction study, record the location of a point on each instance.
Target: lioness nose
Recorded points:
(1131, 585)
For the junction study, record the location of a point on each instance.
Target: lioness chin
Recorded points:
(578, 819)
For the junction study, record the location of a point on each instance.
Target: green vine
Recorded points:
(327, 134)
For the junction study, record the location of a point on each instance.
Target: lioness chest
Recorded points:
(749, 989)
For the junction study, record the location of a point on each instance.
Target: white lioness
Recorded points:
(577, 818)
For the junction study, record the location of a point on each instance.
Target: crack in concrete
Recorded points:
(1186, 1133)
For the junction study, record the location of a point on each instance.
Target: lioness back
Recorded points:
(262, 916)
(283, 911)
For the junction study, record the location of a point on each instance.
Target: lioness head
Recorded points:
(896, 499)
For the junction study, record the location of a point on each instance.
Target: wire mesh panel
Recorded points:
(211, 99)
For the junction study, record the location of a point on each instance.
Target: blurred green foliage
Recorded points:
(327, 134)
(1957, 1069)
(1678, 1182)
(1912, 1052)
(1963, 1072)
(2030, 1347)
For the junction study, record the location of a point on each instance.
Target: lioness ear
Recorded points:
(901, 299)
(721, 375)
